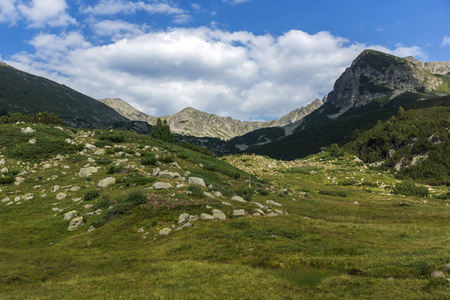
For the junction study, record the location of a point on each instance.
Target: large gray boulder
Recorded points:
(75, 223)
(239, 213)
(219, 215)
(162, 186)
(86, 172)
(237, 198)
(106, 182)
(168, 174)
(70, 215)
(206, 217)
(196, 181)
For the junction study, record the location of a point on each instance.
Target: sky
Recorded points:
(248, 59)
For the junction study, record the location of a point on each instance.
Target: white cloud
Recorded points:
(8, 12)
(446, 41)
(236, 74)
(235, 1)
(113, 7)
(117, 29)
(40, 13)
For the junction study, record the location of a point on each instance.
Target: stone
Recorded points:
(106, 182)
(206, 217)
(193, 218)
(238, 213)
(168, 174)
(4, 200)
(27, 130)
(272, 214)
(100, 152)
(61, 196)
(280, 212)
(180, 186)
(75, 188)
(86, 172)
(162, 186)
(165, 231)
(187, 225)
(259, 211)
(155, 172)
(2, 162)
(226, 203)
(208, 195)
(88, 146)
(70, 215)
(91, 228)
(217, 194)
(447, 268)
(239, 199)
(219, 215)
(140, 230)
(183, 217)
(32, 141)
(91, 160)
(55, 188)
(75, 223)
(271, 202)
(196, 181)
(174, 165)
(355, 203)
(4, 170)
(437, 274)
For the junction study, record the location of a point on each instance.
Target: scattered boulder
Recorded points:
(208, 195)
(155, 172)
(100, 152)
(180, 186)
(280, 212)
(437, 274)
(61, 196)
(183, 217)
(75, 223)
(174, 165)
(239, 199)
(447, 268)
(32, 141)
(206, 217)
(70, 215)
(272, 214)
(239, 213)
(27, 130)
(187, 225)
(55, 188)
(168, 174)
(196, 181)
(86, 172)
(75, 188)
(106, 182)
(271, 202)
(259, 211)
(2, 162)
(165, 231)
(217, 194)
(226, 203)
(219, 215)
(162, 186)
(89, 147)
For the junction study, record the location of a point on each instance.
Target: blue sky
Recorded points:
(249, 59)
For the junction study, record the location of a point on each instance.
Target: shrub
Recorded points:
(409, 188)
(7, 179)
(103, 161)
(103, 203)
(196, 148)
(161, 131)
(138, 179)
(335, 151)
(112, 137)
(114, 169)
(136, 198)
(103, 143)
(167, 158)
(347, 182)
(263, 192)
(304, 170)
(91, 195)
(196, 191)
(149, 159)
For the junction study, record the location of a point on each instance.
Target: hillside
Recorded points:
(26, 93)
(193, 122)
(371, 89)
(113, 214)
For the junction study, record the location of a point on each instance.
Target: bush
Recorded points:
(167, 158)
(136, 198)
(138, 179)
(103, 161)
(114, 169)
(409, 188)
(304, 170)
(196, 148)
(103, 203)
(335, 151)
(7, 179)
(103, 143)
(347, 182)
(91, 195)
(161, 131)
(149, 159)
(113, 137)
(196, 191)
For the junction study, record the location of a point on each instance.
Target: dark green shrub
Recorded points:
(263, 192)
(103, 143)
(137, 179)
(409, 188)
(161, 131)
(114, 169)
(113, 137)
(166, 158)
(7, 179)
(149, 159)
(103, 161)
(444, 196)
(91, 195)
(304, 170)
(103, 203)
(347, 182)
(196, 191)
(119, 149)
(335, 151)
(136, 198)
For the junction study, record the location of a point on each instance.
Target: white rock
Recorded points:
(5, 199)
(196, 181)
(217, 194)
(75, 188)
(187, 225)
(162, 186)
(219, 215)
(106, 182)
(206, 217)
(140, 230)
(32, 141)
(183, 217)
(165, 231)
(2, 162)
(226, 203)
(55, 188)
(100, 152)
(209, 195)
(86, 172)
(155, 171)
(180, 186)
(272, 214)
(27, 130)
(239, 199)
(239, 213)
(168, 174)
(88, 205)
(89, 146)
(280, 212)
(60, 196)
(273, 203)
(75, 223)
(70, 215)
(437, 274)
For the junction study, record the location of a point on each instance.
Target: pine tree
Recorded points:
(161, 131)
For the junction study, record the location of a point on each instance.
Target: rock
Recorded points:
(140, 230)
(89, 147)
(75, 188)
(86, 172)
(437, 274)
(280, 212)
(261, 206)
(155, 171)
(4, 170)
(239, 213)
(91, 228)
(75, 223)
(187, 225)
(355, 203)
(55, 188)
(196, 181)
(217, 194)
(168, 174)
(193, 218)
(88, 205)
(206, 217)
(174, 165)
(165, 231)
(180, 186)
(106, 182)
(226, 203)
(4, 200)
(183, 217)
(219, 215)
(27, 130)
(91, 160)
(60, 196)
(239, 199)
(273, 203)
(272, 214)
(100, 152)
(447, 268)
(208, 195)
(70, 215)
(162, 186)
(2, 162)
(259, 211)
(32, 141)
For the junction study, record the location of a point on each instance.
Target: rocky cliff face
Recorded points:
(376, 75)
(191, 121)
(434, 67)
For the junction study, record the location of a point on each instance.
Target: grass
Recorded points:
(325, 248)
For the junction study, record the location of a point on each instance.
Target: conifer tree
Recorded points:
(161, 131)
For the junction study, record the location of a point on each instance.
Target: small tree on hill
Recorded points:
(161, 131)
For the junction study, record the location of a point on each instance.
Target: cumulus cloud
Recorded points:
(445, 41)
(43, 12)
(113, 7)
(235, 1)
(117, 29)
(236, 74)
(8, 12)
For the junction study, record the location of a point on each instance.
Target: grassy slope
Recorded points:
(327, 247)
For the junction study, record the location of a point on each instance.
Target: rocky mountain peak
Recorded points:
(434, 67)
(375, 75)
